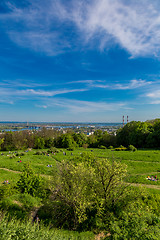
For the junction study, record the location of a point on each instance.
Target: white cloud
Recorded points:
(86, 81)
(155, 102)
(22, 83)
(50, 43)
(47, 93)
(154, 94)
(77, 106)
(132, 84)
(134, 25)
(12, 94)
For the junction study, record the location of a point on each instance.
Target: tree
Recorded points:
(39, 143)
(8, 143)
(65, 141)
(49, 142)
(85, 186)
(134, 133)
(80, 138)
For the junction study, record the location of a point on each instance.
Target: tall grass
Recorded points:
(17, 230)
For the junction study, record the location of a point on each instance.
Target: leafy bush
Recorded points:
(53, 150)
(110, 147)
(71, 148)
(85, 145)
(79, 187)
(31, 183)
(38, 153)
(102, 147)
(121, 146)
(131, 148)
(136, 224)
(6, 190)
(19, 154)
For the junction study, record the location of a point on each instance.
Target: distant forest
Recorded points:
(136, 133)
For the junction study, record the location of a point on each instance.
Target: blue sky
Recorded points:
(79, 60)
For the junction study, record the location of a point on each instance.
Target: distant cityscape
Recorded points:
(87, 128)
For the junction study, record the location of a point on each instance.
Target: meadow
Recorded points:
(23, 206)
(140, 164)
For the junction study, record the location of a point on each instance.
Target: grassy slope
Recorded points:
(140, 163)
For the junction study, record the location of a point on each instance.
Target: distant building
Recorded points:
(90, 133)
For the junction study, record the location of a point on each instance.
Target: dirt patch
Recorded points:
(18, 203)
(144, 185)
(9, 170)
(102, 236)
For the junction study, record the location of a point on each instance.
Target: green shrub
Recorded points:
(102, 147)
(31, 183)
(70, 149)
(110, 147)
(53, 150)
(121, 146)
(20, 154)
(6, 190)
(85, 145)
(131, 148)
(38, 153)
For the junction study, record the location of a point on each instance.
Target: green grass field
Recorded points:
(140, 164)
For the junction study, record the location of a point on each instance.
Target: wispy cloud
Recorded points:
(154, 94)
(21, 83)
(50, 43)
(135, 25)
(86, 81)
(47, 93)
(77, 106)
(12, 94)
(132, 84)
(43, 27)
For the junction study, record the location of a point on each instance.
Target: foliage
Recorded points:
(80, 139)
(85, 145)
(6, 190)
(39, 143)
(49, 142)
(53, 150)
(135, 223)
(15, 229)
(65, 141)
(86, 185)
(136, 133)
(39, 153)
(31, 183)
(102, 147)
(110, 147)
(131, 148)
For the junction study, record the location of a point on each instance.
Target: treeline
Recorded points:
(138, 134)
(52, 138)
